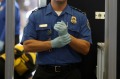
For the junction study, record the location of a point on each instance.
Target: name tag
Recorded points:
(43, 25)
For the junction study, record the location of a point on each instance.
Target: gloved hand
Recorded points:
(60, 41)
(61, 28)
(1, 45)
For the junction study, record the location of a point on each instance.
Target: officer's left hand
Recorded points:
(61, 41)
(61, 28)
(1, 45)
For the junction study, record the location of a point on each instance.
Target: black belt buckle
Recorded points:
(57, 68)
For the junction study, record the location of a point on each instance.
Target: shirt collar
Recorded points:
(49, 9)
(66, 10)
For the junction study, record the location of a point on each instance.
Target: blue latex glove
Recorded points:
(1, 45)
(61, 28)
(61, 41)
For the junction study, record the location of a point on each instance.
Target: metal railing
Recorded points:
(100, 61)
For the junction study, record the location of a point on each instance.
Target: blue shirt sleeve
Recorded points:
(30, 29)
(85, 29)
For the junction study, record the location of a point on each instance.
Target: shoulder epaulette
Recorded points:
(38, 9)
(78, 10)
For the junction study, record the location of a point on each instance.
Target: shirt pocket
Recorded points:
(74, 30)
(43, 33)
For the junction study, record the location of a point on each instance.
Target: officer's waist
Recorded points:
(59, 68)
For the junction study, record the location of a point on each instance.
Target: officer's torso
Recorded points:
(44, 22)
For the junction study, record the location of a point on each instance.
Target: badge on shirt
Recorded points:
(73, 20)
(43, 25)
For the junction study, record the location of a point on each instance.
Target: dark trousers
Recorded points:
(50, 73)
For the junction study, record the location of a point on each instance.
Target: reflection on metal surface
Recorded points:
(100, 61)
(99, 15)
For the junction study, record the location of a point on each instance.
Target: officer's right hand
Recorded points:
(1, 45)
(61, 28)
(60, 41)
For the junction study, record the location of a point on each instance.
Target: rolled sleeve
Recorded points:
(29, 30)
(85, 30)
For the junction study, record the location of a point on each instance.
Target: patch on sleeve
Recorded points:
(88, 24)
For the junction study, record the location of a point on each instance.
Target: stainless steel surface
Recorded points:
(10, 35)
(110, 38)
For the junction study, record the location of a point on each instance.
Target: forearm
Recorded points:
(36, 46)
(79, 45)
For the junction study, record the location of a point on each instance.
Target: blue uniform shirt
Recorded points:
(2, 19)
(40, 27)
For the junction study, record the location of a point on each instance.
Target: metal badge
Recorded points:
(73, 20)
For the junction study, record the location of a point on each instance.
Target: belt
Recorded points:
(59, 68)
